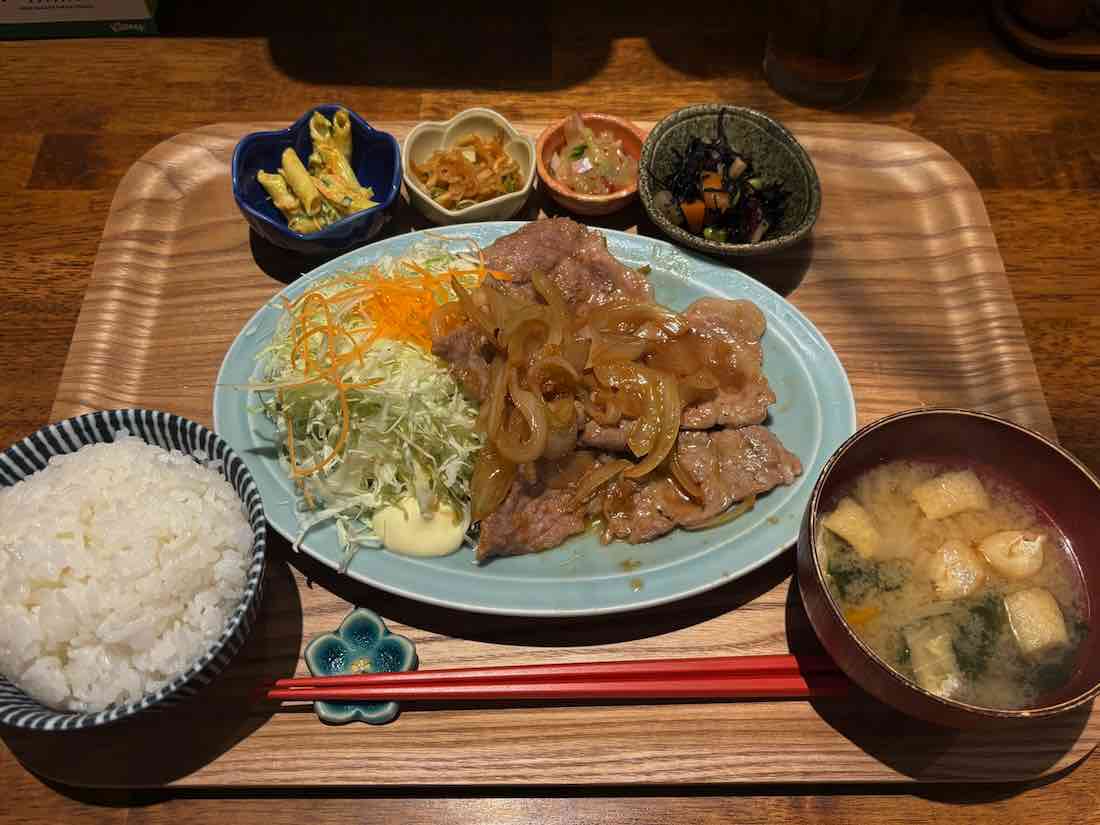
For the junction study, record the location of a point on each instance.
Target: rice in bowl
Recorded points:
(120, 565)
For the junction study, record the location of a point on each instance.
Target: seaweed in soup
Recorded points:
(978, 631)
(856, 578)
(1055, 670)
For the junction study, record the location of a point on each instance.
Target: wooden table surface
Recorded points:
(76, 114)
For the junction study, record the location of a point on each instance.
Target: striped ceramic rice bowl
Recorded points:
(131, 575)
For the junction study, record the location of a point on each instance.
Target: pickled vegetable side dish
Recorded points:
(592, 163)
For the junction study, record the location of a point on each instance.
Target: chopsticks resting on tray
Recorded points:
(726, 677)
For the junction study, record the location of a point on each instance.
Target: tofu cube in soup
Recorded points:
(1014, 553)
(854, 524)
(1036, 621)
(955, 570)
(951, 493)
(933, 658)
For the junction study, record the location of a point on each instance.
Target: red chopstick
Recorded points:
(639, 669)
(729, 677)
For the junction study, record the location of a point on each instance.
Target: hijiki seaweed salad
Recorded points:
(715, 193)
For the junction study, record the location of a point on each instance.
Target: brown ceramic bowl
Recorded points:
(1056, 484)
(552, 139)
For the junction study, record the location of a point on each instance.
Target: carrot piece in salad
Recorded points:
(694, 213)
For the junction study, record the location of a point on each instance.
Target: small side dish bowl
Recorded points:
(775, 155)
(168, 431)
(429, 136)
(552, 140)
(1052, 480)
(375, 159)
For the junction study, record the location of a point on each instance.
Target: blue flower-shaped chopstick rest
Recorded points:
(362, 644)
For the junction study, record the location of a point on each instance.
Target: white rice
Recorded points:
(119, 566)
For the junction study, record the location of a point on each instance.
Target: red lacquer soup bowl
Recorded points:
(1051, 480)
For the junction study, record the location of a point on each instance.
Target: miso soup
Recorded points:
(956, 582)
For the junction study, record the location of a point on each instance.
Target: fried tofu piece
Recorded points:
(951, 493)
(1014, 553)
(955, 570)
(934, 664)
(1036, 621)
(854, 524)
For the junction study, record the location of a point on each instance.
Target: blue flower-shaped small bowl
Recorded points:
(375, 157)
(361, 645)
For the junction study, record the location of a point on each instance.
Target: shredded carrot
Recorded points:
(370, 307)
(857, 616)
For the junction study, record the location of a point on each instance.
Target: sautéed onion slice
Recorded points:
(632, 365)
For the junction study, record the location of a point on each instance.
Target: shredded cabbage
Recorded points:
(410, 430)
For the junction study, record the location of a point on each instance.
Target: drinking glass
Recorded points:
(824, 52)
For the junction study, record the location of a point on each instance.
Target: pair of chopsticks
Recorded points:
(725, 677)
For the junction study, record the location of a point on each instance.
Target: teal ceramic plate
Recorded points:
(814, 413)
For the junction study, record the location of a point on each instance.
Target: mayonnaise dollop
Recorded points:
(404, 529)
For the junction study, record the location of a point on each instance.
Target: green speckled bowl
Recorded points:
(775, 154)
(362, 644)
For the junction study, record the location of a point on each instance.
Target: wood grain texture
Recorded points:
(903, 276)
(856, 808)
(1079, 47)
(1026, 135)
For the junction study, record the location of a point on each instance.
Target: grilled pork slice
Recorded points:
(730, 333)
(728, 466)
(573, 257)
(539, 511)
(469, 354)
(537, 246)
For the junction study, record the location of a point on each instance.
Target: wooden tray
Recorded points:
(904, 278)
